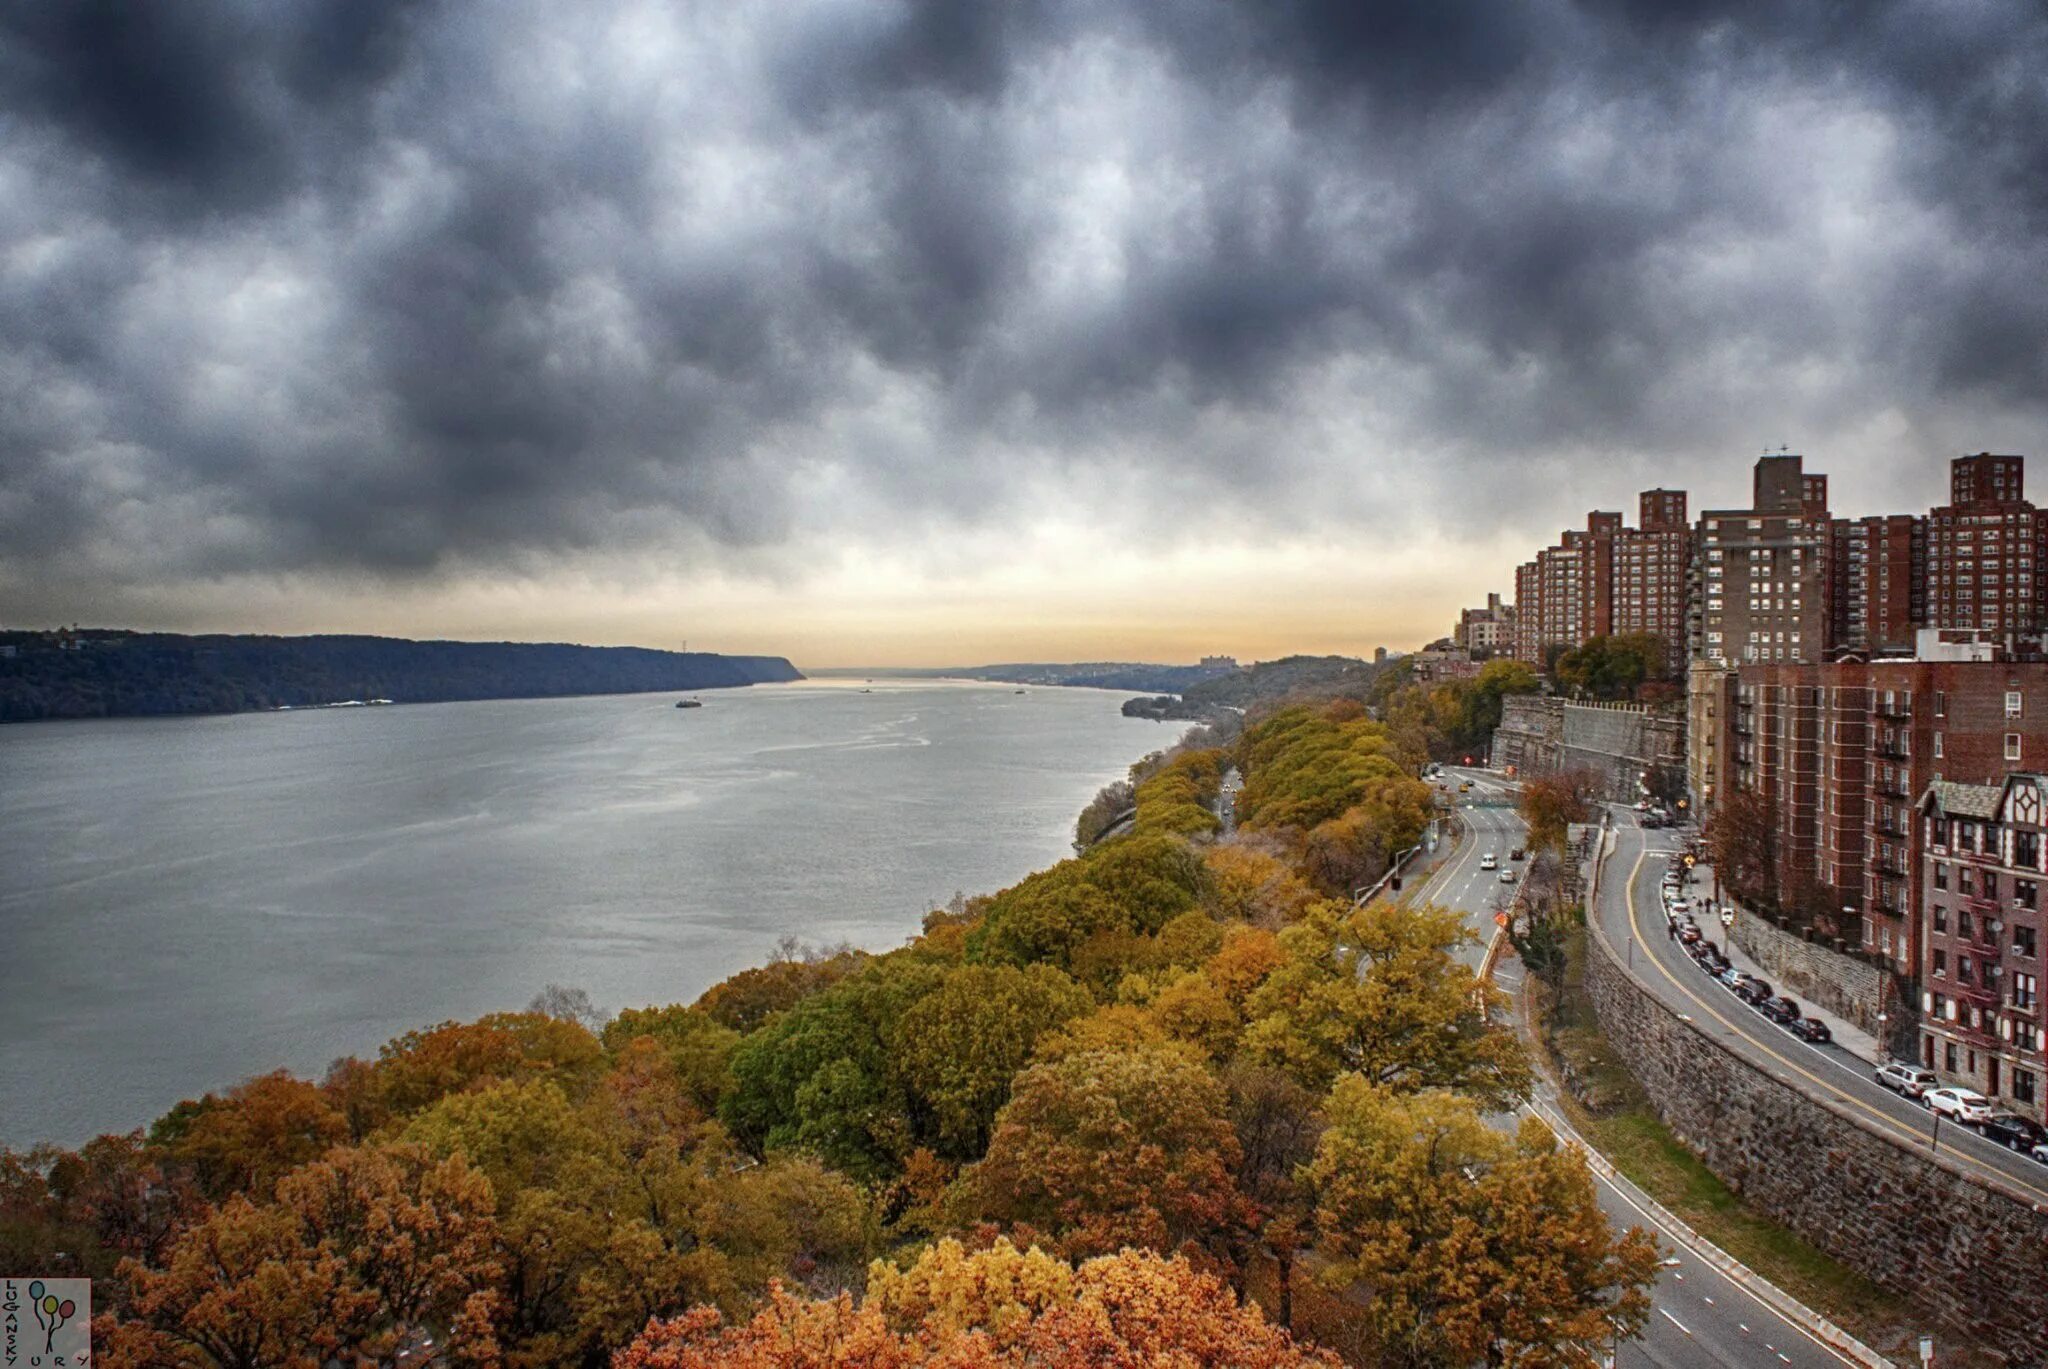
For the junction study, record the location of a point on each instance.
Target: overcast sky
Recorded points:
(881, 333)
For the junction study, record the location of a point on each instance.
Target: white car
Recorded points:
(1958, 1105)
(1507, 875)
(1901, 1078)
(1488, 862)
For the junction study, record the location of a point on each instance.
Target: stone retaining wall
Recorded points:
(1842, 984)
(1972, 1255)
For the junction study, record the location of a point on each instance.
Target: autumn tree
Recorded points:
(958, 1047)
(749, 998)
(1471, 1246)
(994, 1309)
(1089, 915)
(363, 1253)
(1112, 1148)
(1378, 990)
(1551, 804)
(1742, 843)
(698, 1045)
(1251, 880)
(244, 1141)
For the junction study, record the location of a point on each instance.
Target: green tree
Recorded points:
(1378, 990)
(957, 1048)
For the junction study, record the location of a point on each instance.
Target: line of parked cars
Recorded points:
(1749, 988)
(1967, 1107)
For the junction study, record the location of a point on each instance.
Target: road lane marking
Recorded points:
(1675, 1322)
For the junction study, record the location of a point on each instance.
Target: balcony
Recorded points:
(1892, 751)
(1890, 789)
(1888, 869)
(1889, 829)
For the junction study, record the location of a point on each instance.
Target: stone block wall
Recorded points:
(1843, 985)
(1974, 1256)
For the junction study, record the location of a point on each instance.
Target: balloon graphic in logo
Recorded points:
(35, 1291)
(66, 1308)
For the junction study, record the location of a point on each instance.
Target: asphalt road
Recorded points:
(1631, 911)
(1700, 1317)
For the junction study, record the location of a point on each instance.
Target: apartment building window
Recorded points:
(2012, 703)
(1937, 744)
(1990, 885)
(2023, 1085)
(2024, 893)
(1940, 918)
(1940, 711)
(1940, 875)
(1965, 924)
(2025, 990)
(2026, 850)
(1949, 1052)
(2023, 942)
(1941, 964)
(2012, 746)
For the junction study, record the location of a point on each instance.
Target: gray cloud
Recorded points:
(340, 288)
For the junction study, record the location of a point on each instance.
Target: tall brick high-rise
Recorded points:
(1987, 560)
(1608, 579)
(1762, 582)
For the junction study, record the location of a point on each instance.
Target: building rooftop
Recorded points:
(1964, 800)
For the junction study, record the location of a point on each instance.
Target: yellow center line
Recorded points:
(1886, 1120)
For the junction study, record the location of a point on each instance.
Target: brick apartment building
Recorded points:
(1486, 631)
(1878, 583)
(1608, 579)
(1842, 752)
(1982, 872)
(1985, 550)
(1761, 591)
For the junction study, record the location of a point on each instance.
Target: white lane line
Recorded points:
(1675, 1322)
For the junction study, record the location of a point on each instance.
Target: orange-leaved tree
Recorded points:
(994, 1309)
(1110, 1148)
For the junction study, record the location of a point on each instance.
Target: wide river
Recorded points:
(186, 902)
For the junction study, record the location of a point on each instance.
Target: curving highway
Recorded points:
(1702, 1317)
(1632, 917)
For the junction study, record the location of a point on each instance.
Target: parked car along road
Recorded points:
(1814, 1030)
(1902, 1078)
(1958, 1105)
(2014, 1132)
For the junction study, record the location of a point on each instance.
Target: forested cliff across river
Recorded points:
(107, 674)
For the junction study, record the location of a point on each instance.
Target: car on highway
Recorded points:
(1783, 1011)
(1902, 1078)
(1812, 1029)
(1489, 862)
(1507, 874)
(1753, 991)
(1465, 786)
(1732, 977)
(1958, 1105)
(1515, 854)
(1688, 931)
(2014, 1132)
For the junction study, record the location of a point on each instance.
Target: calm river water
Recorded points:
(185, 902)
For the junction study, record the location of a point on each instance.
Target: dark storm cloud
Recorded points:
(398, 289)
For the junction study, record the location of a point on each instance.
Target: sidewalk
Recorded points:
(1848, 1037)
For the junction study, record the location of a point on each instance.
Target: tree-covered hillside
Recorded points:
(99, 674)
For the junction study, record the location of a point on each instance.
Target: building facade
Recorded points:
(1487, 631)
(1985, 547)
(1764, 575)
(1982, 876)
(1608, 578)
(1839, 753)
(1878, 589)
